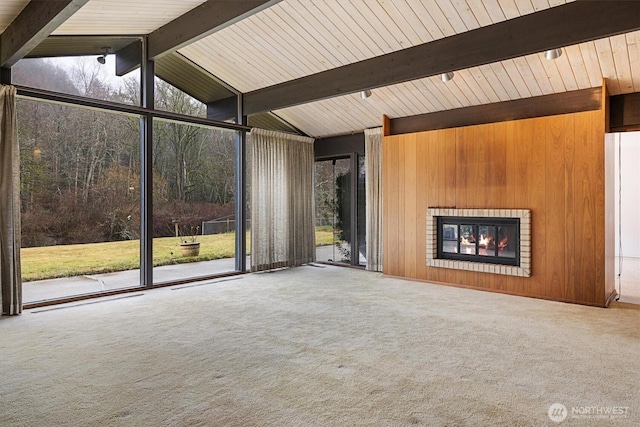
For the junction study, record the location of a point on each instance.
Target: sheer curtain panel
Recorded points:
(11, 285)
(373, 173)
(282, 205)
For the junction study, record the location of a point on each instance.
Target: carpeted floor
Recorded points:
(319, 346)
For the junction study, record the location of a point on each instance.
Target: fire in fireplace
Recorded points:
(479, 239)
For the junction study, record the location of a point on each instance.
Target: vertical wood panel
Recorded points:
(411, 215)
(554, 207)
(390, 167)
(537, 202)
(585, 187)
(431, 189)
(422, 205)
(569, 212)
(400, 203)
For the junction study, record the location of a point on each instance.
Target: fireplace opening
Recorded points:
(479, 239)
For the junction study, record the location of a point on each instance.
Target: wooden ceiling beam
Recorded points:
(34, 24)
(200, 22)
(552, 28)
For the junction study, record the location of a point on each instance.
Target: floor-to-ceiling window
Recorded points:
(194, 201)
(83, 184)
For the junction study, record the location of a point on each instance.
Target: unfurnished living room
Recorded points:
(319, 212)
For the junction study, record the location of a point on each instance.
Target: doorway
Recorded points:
(627, 212)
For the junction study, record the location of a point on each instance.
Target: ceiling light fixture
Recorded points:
(102, 59)
(365, 94)
(446, 77)
(553, 53)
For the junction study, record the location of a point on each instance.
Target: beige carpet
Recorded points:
(316, 346)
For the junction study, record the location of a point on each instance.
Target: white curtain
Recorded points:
(11, 281)
(282, 204)
(373, 173)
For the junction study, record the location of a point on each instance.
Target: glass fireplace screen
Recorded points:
(488, 240)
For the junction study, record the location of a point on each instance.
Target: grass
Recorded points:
(48, 262)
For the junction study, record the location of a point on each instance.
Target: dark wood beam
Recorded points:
(200, 22)
(537, 106)
(338, 146)
(624, 112)
(128, 58)
(559, 26)
(223, 109)
(34, 24)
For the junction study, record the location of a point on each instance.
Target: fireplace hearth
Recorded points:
(483, 240)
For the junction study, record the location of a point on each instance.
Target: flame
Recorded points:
(502, 244)
(485, 241)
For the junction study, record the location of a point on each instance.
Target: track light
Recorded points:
(102, 59)
(446, 77)
(365, 94)
(553, 53)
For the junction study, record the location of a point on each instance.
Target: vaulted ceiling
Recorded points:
(306, 61)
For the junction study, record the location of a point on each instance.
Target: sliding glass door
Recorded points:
(339, 198)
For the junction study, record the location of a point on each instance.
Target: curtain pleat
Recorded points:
(282, 211)
(10, 273)
(373, 173)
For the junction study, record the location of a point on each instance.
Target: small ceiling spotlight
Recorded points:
(365, 94)
(446, 77)
(102, 59)
(553, 53)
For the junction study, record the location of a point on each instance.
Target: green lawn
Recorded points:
(49, 262)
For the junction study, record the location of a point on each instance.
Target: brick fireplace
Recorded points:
(494, 241)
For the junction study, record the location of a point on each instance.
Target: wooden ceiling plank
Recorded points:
(540, 4)
(553, 74)
(539, 73)
(591, 63)
(441, 20)
(451, 14)
(463, 86)
(622, 63)
(375, 25)
(343, 34)
(574, 55)
(203, 20)
(405, 17)
(509, 8)
(479, 10)
(565, 72)
(35, 23)
(633, 45)
(281, 22)
(365, 46)
(569, 24)
(427, 20)
(485, 87)
(607, 65)
(525, 7)
(496, 84)
(528, 76)
(466, 14)
(505, 80)
(516, 78)
(397, 22)
(473, 86)
(494, 10)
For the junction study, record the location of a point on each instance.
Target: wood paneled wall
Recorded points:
(554, 166)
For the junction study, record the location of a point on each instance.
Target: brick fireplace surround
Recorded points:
(524, 270)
